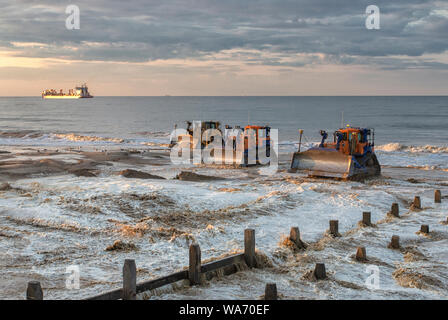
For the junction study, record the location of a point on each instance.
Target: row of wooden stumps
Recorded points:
(395, 241)
(34, 290)
(361, 255)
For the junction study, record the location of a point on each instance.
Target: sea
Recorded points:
(408, 120)
(56, 227)
(413, 127)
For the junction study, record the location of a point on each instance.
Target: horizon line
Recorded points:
(243, 96)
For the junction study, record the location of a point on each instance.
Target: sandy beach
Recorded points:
(92, 208)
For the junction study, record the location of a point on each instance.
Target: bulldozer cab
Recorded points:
(352, 141)
(205, 125)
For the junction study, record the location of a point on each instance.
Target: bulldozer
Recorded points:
(350, 156)
(255, 142)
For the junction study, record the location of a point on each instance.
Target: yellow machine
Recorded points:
(350, 156)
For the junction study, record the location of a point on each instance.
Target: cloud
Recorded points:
(139, 31)
(225, 46)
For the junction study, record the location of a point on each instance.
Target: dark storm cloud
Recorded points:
(138, 30)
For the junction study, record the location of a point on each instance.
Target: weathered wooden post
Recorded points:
(249, 247)
(361, 254)
(395, 210)
(270, 292)
(319, 271)
(34, 291)
(294, 235)
(367, 218)
(437, 196)
(424, 228)
(395, 242)
(417, 204)
(129, 280)
(334, 228)
(194, 271)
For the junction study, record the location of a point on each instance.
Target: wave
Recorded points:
(155, 144)
(37, 138)
(423, 167)
(78, 138)
(391, 147)
(30, 134)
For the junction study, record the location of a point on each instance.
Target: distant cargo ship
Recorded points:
(77, 93)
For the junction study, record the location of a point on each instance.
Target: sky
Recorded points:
(225, 47)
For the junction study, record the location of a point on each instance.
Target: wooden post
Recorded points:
(395, 210)
(437, 196)
(395, 242)
(367, 218)
(361, 254)
(249, 247)
(334, 228)
(270, 292)
(294, 236)
(319, 271)
(129, 280)
(194, 271)
(424, 228)
(417, 203)
(34, 291)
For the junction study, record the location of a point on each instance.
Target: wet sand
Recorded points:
(55, 214)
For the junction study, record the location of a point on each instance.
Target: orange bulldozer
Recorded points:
(350, 156)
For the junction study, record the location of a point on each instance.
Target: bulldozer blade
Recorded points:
(323, 163)
(334, 164)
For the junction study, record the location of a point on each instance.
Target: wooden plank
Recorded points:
(110, 295)
(143, 286)
(160, 282)
(218, 264)
(227, 263)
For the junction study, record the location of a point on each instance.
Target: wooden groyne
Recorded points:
(195, 272)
